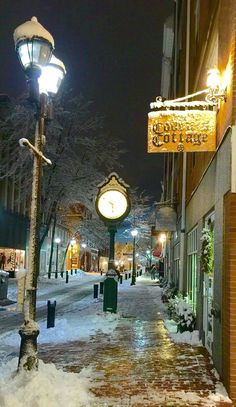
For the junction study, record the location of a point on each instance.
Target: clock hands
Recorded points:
(112, 206)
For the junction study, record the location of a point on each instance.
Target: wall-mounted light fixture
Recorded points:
(216, 91)
(217, 85)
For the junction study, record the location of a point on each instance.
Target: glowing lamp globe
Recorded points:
(52, 76)
(134, 232)
(213, 78)
(34, 44)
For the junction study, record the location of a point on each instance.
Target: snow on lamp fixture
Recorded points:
(52, 76)
(33, 43)
(34, 46)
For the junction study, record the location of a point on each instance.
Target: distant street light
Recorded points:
(34, 46)
(57, 241)
(134, 233)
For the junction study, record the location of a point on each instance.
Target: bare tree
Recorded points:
(81, 151)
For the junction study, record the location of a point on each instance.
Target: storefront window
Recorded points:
(192, 267)
(11, 259)
(176, 263)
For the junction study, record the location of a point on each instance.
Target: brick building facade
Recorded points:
(205, 37)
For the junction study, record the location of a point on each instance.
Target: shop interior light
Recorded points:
(162, 237)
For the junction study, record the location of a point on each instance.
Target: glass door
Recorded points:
(207, 306)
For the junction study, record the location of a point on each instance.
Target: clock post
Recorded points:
(112, 231)
(112, 205)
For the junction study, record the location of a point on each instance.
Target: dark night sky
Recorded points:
(112, 50)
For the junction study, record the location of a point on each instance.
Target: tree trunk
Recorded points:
(64, 258)
(52, 245)
(48, 224)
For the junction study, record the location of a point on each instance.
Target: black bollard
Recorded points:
(101, 287)
(126, 276)
(95, 291)
(56, 274)
(129, 275)
(67, 276)
(121, 279)
(51, 314)
(62, 274)
(75, 271)
(71, 272)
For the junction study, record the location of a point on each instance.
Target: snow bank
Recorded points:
(47, 387)
(191, 338)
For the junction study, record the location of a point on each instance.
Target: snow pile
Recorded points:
(221, 394)
(178, 398)
(191, 338)
(47, 387)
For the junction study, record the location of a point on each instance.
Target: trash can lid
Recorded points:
(111, 273)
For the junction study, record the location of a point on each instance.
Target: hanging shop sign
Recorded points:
(177, 131)
(165, 218)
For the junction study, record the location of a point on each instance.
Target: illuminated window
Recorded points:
(192, 267)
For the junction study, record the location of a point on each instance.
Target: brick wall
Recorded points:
(229, 295)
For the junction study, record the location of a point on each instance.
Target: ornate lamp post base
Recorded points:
(28, 359)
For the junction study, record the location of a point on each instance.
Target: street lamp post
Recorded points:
(57, 241)
(134, 233)
(34, 46)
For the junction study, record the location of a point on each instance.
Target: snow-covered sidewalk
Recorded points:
(123, 359)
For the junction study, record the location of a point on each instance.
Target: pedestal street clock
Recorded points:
(113, 206)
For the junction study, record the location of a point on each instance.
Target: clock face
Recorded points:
(112, 204)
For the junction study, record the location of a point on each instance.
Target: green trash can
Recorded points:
(110, 292)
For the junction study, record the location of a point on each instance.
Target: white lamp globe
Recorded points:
(52, 76)
(34, 44)
(134, 232)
